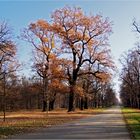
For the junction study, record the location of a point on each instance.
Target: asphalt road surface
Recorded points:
(107, 125)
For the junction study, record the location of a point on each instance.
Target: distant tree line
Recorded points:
(130, 75)
(26, 93)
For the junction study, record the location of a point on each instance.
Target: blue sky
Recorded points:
(20, 13)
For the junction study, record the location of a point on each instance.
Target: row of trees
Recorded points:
(72, 59)
(8, 62)
(27, 94)
(130, 75)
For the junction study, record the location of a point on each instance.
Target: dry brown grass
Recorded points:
(23, 121)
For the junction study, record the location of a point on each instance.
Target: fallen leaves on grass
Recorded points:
(28, 121)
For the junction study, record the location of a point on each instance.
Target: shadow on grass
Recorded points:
(81, 131)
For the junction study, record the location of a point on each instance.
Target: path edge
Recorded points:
(128, 127)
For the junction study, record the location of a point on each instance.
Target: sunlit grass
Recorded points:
(132, 117)
(27, 121)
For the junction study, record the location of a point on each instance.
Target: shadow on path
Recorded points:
(108, 125)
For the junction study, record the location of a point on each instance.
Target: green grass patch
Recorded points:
(6, 131)
(132, 117)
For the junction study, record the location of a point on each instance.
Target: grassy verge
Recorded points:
(28, 121)
(132, 117)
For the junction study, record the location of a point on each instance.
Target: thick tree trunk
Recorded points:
(26, 104)
(71, 106)
(51, 105)
(51, 102)
(95, 104)
(71, 102)
(86, 103)
(44, 106)
(82, 104)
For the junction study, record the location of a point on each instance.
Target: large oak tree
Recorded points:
(85, 41)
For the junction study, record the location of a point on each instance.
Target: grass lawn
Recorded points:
(28, 121)
(132, 117)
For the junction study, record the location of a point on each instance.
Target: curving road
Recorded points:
(108, 125)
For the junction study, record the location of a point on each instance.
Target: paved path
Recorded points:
(108, 125)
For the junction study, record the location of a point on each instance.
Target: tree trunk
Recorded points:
(26, 104)
(138, 104)
(82, 104)
(4, 99)
(30, 103)
(71, 106)
(71, 102)
(86, 103)
(51, 105)
(38, 101)
(45, 97)
(95, 104)
(44, 106)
